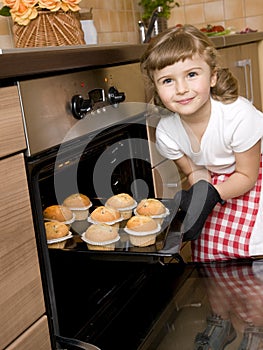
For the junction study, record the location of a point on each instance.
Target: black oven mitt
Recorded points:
(195, 205)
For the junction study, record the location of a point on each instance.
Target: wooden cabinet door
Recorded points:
(249, 55)
(35, 338)
(21, 295)
(12, 138)
(242, 60)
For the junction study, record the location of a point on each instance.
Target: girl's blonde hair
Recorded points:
(180, 43)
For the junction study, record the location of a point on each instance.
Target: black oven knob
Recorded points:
(115, 96)
(80, 107)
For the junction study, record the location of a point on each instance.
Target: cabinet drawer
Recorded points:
(21, 295)
(36, 337)
(12, 138)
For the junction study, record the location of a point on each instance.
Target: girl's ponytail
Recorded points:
(226, 88)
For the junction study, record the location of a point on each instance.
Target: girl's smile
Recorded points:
(185, 101)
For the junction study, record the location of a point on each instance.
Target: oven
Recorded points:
(87, 133)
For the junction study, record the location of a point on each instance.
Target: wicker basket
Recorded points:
(50, 29)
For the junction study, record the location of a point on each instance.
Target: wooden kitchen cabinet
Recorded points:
(21, 296)
(243, 62)
(35, 338)
(12, 138)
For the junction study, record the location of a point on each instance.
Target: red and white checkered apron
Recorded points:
(227, 231)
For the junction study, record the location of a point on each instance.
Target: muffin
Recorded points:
(58, 213)
(101, 237)
(105, 215)
(152, 207)
(122, 202)
(79, 204)
(56, 233)
(142, 230)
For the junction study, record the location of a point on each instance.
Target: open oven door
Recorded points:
(74, 344)
(167, 177)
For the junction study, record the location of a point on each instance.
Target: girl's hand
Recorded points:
(196, 204)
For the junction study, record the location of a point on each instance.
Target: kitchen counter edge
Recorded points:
(29, 62)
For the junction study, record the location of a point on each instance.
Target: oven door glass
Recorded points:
(91, 292)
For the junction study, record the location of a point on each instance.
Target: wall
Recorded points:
(117, 20)
(237, 14)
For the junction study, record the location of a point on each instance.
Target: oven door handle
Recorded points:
(74, 344)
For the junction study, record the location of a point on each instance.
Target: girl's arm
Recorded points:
(193, 172)
(245, 175)
(240, 182)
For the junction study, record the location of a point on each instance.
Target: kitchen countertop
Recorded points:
(236, 39)
(17, 64)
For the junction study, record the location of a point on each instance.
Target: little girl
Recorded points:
(214, 136)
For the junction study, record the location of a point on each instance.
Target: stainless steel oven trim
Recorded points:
(46, 104)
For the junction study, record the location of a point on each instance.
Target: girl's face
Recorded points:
(184, 87)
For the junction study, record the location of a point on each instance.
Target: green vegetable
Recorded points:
(225, 32)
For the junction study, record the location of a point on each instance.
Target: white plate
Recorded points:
(61, 239)
(81, 208)
(145, 233)
(99, 243)
(102, 222)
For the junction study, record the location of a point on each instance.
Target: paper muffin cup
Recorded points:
(106, 245)
(143, 239)
(126, 212)
(115, 223)
(81, 213)
(59, 243)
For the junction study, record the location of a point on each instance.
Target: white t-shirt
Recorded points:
(233, 127)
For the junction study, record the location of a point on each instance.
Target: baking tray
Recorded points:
(168, 241)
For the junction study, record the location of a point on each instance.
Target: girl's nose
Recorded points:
(181, 87)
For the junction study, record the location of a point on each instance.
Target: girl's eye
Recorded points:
(167, 81)
(192, 74)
